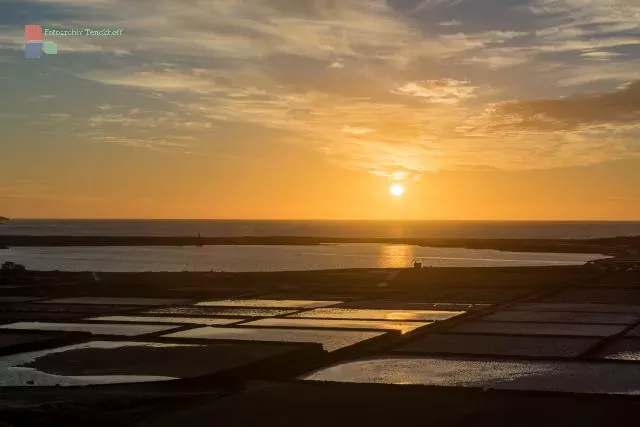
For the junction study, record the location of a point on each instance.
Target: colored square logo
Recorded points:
(32, 33)
(50, 48)
(33, 50)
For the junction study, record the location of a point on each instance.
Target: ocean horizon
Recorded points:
(323, 228)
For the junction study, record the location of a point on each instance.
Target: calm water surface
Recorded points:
(272, 258)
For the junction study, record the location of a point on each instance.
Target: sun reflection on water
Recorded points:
(396, 256)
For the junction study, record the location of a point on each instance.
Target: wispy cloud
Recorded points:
(446, 91)
(618, 107)
(376, 85)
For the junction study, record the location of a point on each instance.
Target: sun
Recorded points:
(396, 190)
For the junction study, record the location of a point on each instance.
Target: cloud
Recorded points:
(446, 91)
(313, 9)
(452, 23)
(56, 117)
(380, 136)
(371, 84)
(426, 5)
(612, 71)
(600, 56)
(587, 24)
(168, 81)
(499, 58)
(619, 107)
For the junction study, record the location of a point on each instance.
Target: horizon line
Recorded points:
(312, 219)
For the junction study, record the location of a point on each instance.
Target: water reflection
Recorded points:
(93, 328)
(371, 314)
(572, 377)
(15, 370)
(403, 327)
(396, 256)
(273, 258)
(331, 340)
(268, 303)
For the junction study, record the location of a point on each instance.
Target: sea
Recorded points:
(425, 229)
(247, 258)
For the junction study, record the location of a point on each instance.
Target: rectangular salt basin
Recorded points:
(598, 296)
(387, 304)
(11, 317)
(403, 327)
(500, 345)
(635, 332)
(573, 377)
(563, 317)
(268, 303)
(219, 311)
(116, 301)
(124, 361)
(521, 328)
(12, 372)
(348, 313)
(12, 299)
(175, 320)
(10, 339)
(82, 309)
(586, 307)
(623, 349)
(330, 340)
(94, 328)
(314, 296)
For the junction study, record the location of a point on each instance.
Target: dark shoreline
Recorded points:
(615, 246)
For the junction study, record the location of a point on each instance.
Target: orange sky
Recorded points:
(305, 186)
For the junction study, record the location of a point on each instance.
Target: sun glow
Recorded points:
(396, 190)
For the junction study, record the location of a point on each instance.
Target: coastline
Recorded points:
(615, 246)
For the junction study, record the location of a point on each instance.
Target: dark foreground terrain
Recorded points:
(552, 346)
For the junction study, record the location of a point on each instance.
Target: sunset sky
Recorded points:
(312, 109)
